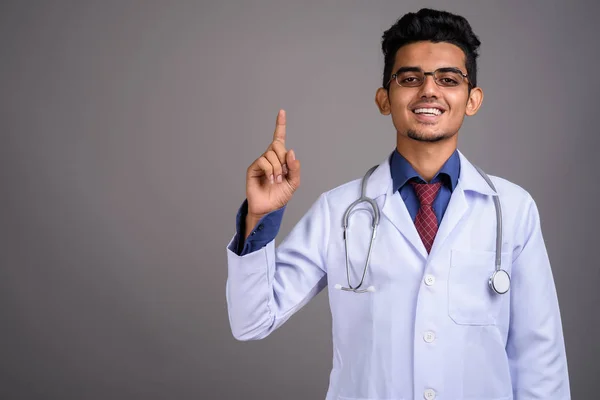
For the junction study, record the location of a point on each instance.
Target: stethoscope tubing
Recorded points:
(499, 282)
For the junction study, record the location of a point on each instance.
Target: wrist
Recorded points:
(251, 221)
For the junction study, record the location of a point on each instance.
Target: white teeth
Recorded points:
(432, 111)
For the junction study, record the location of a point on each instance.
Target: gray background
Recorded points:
(126, 130)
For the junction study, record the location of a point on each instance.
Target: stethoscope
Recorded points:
(499, 282)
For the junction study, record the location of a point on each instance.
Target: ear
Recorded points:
(474, 101)
(382, 100)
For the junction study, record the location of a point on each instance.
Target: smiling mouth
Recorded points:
(429, 112)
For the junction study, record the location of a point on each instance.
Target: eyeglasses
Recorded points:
(414, 77)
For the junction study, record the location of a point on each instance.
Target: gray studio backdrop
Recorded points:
(126, 130)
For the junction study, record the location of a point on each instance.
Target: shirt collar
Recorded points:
(402, 171)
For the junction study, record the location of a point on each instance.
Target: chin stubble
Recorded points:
(419, 136)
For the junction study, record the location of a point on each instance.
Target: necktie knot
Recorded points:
(426, 192)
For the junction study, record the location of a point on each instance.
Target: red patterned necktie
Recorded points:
(426, 221)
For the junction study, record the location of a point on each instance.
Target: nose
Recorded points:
(429, 88)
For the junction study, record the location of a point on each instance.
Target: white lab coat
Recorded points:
(433, 329)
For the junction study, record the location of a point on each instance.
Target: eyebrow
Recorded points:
(408, 69)
(417, 69)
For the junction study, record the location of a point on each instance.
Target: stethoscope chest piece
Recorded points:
(500, 281)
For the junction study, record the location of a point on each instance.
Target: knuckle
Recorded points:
(274, 160)
(278, 145)
(281, 152)
(264, 164)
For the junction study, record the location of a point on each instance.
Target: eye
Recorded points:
(409, 79)
(449, 79)
(449, 82)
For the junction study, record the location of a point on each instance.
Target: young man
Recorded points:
(438, 307)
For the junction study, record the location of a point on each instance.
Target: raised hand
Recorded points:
(271, 179)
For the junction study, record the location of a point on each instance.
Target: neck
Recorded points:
(425, 157)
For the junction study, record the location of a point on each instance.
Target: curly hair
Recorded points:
(435, 26)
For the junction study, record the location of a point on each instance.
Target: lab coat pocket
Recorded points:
(471, 301)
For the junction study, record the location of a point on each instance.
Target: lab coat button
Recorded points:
(429, 280)
(429, 336)
(429, 394)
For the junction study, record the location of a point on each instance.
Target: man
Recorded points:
(422, 319)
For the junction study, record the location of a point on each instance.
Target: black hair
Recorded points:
(434, 26)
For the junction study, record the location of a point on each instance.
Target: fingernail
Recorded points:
(271, 178)
(279, 179)
(284, 168)
(293, 155)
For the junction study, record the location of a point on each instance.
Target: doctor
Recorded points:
(424, 322)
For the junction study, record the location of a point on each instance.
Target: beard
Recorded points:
(422, 137)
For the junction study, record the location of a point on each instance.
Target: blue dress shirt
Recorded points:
(402, 173)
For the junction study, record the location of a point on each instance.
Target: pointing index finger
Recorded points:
(280, 127)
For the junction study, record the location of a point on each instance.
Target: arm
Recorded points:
(535, 346)
(267, 286)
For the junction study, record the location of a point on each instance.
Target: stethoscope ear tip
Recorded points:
(371, 289)
(338, 286)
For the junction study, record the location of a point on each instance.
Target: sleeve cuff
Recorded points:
(265, 231)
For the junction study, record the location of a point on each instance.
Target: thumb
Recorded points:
(293, 166)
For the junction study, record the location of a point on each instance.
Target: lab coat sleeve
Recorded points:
(535, 344)
(266, 287)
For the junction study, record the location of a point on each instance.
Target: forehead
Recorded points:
(430, 56)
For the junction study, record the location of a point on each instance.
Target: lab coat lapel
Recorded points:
(395, 210)
(393, 207)
(456, 209)
(469, 181)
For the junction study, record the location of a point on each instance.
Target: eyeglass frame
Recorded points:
(432, 73)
